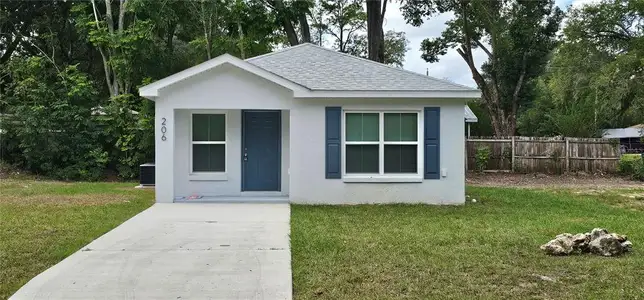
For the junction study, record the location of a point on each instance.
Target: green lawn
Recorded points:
(483, 250)
(43, 222)
(486, 250)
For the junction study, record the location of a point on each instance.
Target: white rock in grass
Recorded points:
(598, 241)
(473, 200)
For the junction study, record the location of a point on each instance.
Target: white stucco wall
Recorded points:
(303, 142)
(224, 89)
(308, 183)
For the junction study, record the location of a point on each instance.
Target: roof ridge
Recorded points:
(278, 51)
(383, 65)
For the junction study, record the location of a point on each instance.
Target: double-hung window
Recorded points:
(381, 144)
(208, 143)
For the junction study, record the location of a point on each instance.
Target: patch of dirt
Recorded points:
(61, 200)
(597, 183)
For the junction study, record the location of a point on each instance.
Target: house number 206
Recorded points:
(163, 129)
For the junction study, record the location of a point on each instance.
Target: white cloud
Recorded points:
(451, 66)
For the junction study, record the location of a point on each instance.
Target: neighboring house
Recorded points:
(308, 125)
(630, 138)
(470, 117)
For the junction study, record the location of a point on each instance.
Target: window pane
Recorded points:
(401, 159)
(209, 127)
(370, 130)
(362, 158)
(208, 158)
(200, 127)
(353, 131)
(362, 127)
(218, 128)
(401, 127)
(392, 127)
(409, 127)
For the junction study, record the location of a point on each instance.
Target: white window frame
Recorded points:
(381, 176)
(214, 175)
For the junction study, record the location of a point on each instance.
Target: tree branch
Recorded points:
(122, 16)
(489, 54)
(7, 52)
(519, 85)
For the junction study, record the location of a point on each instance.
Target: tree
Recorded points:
(292, 14)
(210, 15)
(49, 121)
(61, 60)
(345, 18)
(396, 45)
(595, 75)
(318, 23)
(376, 10)
(517, 36)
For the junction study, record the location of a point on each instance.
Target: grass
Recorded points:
(43, 222)
(486, 250)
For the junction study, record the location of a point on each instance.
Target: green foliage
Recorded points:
(631, 165)
(594, 79)
(49, 124)
(345, 21)
(517, 37)
(395, 43)
(481, 158)
(130, 128)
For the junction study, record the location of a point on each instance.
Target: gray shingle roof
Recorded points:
(318, 68)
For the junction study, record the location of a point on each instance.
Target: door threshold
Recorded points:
(234, 199)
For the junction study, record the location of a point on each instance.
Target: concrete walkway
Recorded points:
(179, 251)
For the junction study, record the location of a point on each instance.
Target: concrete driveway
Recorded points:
(179, 251)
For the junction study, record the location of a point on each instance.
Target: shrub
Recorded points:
(129, 124)
(49, 122)
(631, 165)
(482, 156)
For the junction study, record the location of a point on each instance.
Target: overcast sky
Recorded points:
(451, 66)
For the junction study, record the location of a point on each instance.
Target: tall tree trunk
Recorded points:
(381, 45)
(106, 67)
(241, 40)
(291, 35)
(374, 29)
(305, 30)
(169, 39)
(489, 89)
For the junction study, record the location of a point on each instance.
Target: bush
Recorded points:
(49, 124)
(482, 156)
(631, 165)
(129, 124)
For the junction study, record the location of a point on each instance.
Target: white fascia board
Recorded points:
(151, 91)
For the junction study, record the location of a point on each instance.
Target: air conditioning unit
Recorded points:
(146, 175)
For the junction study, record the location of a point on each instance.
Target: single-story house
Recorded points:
(308, 125)
(630, 138)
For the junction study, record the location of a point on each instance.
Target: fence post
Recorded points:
(567, 155)
(512, 154)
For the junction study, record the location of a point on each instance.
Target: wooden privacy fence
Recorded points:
(545, 154)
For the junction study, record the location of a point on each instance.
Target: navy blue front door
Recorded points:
(261, 145)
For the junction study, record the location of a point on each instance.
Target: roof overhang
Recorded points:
(151, 91)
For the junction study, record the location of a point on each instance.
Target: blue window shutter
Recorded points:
(432, 142)
(333, 124)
